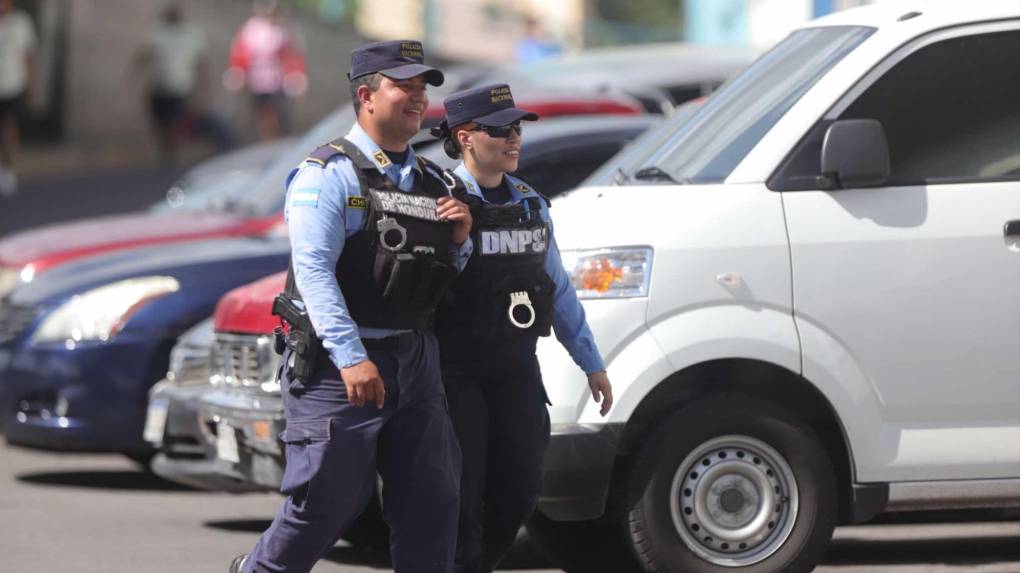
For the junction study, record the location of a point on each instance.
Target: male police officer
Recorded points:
(376, 237)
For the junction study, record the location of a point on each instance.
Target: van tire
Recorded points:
(773, 504)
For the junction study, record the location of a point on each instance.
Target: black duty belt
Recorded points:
(397, 343)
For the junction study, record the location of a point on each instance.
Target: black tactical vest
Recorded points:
(396, 268)
(504, 291)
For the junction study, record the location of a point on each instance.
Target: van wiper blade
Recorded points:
(654, 173)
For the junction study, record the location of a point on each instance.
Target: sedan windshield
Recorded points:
(267, 192)
(222, 191)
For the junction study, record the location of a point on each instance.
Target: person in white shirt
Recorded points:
(17, 45)
(175, 58)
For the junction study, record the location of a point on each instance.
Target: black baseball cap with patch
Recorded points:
(491, 105)
(396, 59)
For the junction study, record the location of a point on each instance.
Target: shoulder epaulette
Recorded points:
(324, 153)
(340, 146)
(525, 189)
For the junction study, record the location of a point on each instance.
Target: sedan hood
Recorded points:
(193, 262)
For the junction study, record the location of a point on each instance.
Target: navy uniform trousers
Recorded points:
(497, 402)
(335, 448)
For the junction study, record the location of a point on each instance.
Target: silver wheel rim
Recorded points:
(734, 501)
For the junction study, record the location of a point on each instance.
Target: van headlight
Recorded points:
(100, 313)
(616, 272)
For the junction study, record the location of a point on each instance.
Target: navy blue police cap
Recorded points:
(397, 59)
(491, 105)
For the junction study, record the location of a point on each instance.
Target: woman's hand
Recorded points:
(599, 384)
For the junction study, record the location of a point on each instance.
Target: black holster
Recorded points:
(300, 338)
(413, 280)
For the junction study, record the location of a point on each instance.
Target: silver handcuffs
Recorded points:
(385, 226)
(521, 299)
(448, 180)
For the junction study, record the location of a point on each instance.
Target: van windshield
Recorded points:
(707, 147)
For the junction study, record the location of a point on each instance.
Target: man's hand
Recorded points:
(364, 384)
(599, 384)
(451, 209)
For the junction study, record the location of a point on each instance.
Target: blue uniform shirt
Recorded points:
(319, 219)
(569, 323)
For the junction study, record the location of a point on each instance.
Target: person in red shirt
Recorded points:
(266, 59)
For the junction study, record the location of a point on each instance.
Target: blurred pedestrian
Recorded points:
(176, 58)
(17, 47)
(534, 44)
(267, 60)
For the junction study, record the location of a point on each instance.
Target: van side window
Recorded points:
(951, 113)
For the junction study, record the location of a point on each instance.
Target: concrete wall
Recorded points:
(470, 30)
(105, 104)
(756, 23)
(392, 20)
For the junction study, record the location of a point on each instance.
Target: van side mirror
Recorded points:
(855, 153)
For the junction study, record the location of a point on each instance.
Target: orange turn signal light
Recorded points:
(599, 275)
(262, 430)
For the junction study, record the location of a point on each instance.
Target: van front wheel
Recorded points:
(732, 484)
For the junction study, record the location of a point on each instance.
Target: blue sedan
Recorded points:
(81, 346)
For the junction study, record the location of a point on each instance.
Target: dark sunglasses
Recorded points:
(502, 131)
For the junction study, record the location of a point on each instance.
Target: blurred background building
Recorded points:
(88, 96)
(487, 30)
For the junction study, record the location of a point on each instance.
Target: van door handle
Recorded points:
(1011, 230)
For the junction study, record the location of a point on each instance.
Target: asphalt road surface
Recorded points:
(100, 514)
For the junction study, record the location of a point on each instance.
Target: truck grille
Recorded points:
(243, 360)
(189, 365)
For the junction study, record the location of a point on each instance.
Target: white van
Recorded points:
(808, 297)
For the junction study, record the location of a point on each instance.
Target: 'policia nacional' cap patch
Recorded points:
(396, 59)
(488, 105)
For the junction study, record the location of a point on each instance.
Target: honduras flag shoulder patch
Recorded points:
(304, 198)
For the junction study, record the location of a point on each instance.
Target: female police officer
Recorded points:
(512, 291)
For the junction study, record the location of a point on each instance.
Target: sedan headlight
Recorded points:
(10, 277)
(100, 313)
(617, 272)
